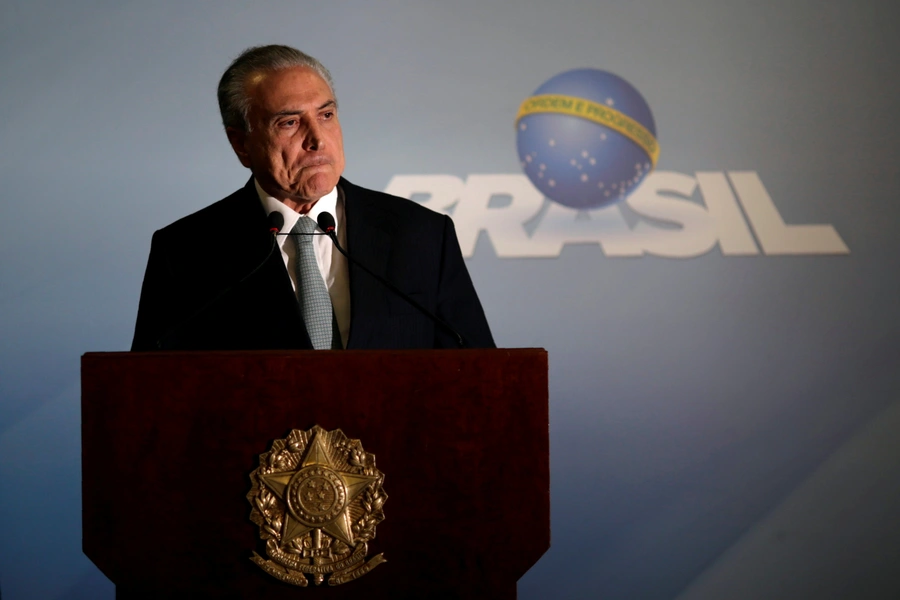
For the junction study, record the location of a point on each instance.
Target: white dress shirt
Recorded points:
(332, 264)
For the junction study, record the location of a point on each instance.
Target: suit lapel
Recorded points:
(269, 289)
(369, 242)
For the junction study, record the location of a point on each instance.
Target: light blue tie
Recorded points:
(315, 303)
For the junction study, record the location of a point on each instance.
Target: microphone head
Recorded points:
(276, 221)
(325, 222)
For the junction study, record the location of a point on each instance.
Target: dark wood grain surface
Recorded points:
(169, 441)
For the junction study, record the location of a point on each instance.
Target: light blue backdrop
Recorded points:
(721, 427)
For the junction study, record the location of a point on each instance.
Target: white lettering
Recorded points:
(444, 190)
(664, 196)
(605, 226)
(503, 225)
(501, 205)
(774, 236)
(734, 236)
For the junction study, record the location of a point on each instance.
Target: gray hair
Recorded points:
(234, 102)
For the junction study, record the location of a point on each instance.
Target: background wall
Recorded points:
(721, 426)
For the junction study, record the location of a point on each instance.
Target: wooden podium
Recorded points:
(169, 440)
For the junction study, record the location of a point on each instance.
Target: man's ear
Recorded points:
(238, 139)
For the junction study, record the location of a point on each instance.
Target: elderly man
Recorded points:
(215, 279)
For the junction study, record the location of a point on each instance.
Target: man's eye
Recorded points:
(288, 123)
(328, 115)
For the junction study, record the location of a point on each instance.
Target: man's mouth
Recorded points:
(316, 162)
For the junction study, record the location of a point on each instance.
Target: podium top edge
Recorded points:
(234, 353)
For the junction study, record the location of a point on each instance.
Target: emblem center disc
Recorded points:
(316, 495)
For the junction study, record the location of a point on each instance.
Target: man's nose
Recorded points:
(313, 140)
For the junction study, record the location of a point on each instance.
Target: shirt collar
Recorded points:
(327, 203)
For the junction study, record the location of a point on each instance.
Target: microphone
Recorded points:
(326, 223)
(274, 223)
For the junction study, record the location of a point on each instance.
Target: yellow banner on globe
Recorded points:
(596, 112)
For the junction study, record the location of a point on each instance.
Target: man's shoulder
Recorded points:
(233, 210)
(386, 204)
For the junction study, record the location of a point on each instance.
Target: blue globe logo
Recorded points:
(586, 138)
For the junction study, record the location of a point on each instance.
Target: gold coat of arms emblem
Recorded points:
(317, 498)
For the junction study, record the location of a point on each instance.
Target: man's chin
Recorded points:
(318, 185)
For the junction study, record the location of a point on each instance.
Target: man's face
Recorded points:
(295, 147)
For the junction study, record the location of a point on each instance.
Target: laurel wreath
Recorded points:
(270, 513)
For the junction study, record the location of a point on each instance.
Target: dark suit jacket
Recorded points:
(191, 299)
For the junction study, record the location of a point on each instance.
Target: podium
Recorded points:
(169, 440)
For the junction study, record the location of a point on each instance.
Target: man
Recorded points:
(216, 280)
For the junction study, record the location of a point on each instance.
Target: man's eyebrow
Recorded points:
(284, 113)
(296, 112)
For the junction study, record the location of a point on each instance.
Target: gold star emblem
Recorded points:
(317, 498)
(316, 494)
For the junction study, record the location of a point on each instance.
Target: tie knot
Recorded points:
(304, 225)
